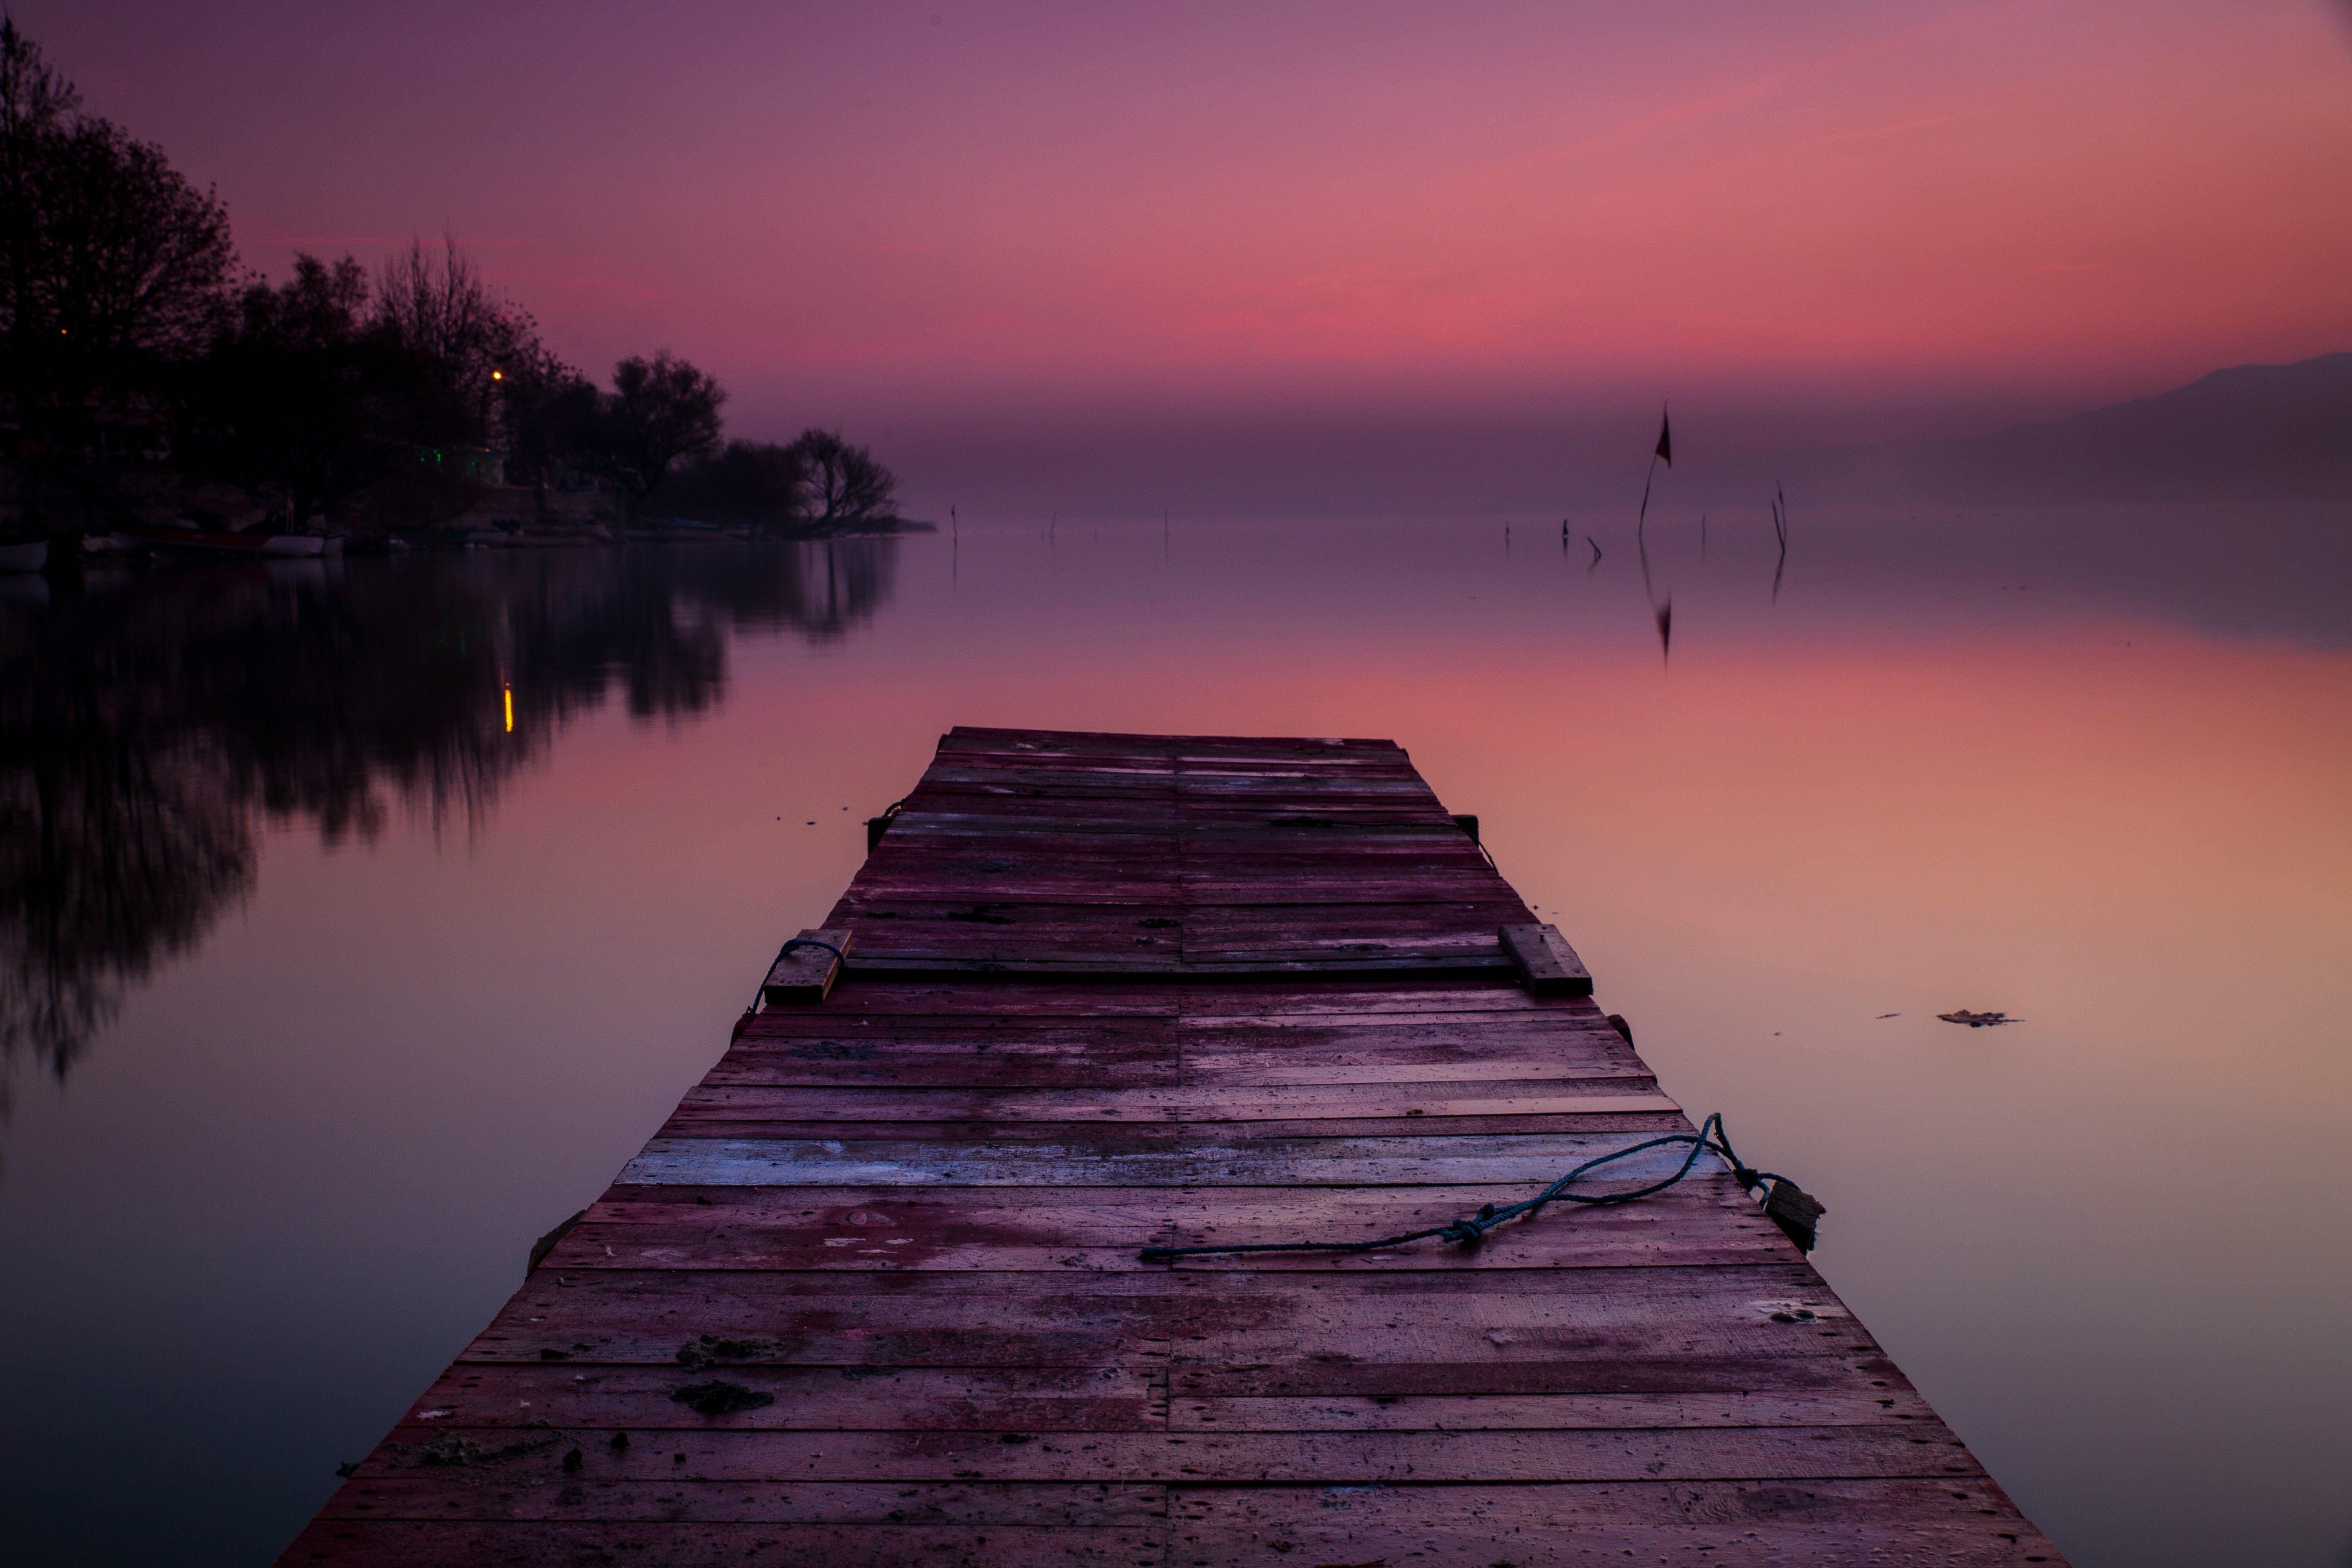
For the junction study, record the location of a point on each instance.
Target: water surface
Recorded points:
(358, 923)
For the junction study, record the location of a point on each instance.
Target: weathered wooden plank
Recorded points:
(1836, 1522)
(899, 928)
(675, 1537)
(891, 885)
(449, 1492)
(1403, 1070)
(1013, 816)
(1381, 1052)
(1368, 1330)
(638, 1399)
(1400, 963)
(1547, 964)
(1547, 1412)
(956, 859)
(1170, 1134)
(1138, 781)
(1448, 926)
(733, 1448)
(909, 1004)
(981, 963)
(1277, 1004)
(1304, 790)
(1820, 1522)
(1008, 1061)
(1088, 1399)
(1097, 1229)
(1122, 1018)
(1434, 886)
(1119, 1157)
(974, 1067)
(1029, 914)
(1214, 847)
(803, 975)
(1196, 1105)
(1215, 1045)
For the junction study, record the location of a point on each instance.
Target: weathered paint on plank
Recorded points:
(729, 1448)
(1502, 1098)
(1346, 1162)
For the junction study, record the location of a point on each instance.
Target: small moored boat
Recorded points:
(24, 557)
(210, 541)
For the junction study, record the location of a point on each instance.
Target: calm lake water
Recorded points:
(357, 923)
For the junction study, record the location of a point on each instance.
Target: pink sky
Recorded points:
(881, 210)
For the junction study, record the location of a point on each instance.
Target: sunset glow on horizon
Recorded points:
(893, 207)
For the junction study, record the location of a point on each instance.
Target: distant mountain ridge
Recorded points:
(2255, 431)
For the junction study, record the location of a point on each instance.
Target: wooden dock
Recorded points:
(872, 1297)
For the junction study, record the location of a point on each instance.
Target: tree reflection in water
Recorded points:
(151, 720)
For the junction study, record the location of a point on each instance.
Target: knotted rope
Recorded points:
(1788, 1205)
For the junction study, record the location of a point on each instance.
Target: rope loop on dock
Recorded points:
(757, 996)
(1788, 1205)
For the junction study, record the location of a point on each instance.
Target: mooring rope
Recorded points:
(762, 993)
(1788, 1205)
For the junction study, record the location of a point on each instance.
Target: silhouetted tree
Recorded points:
(748, 482)
(324, 387)
(658, 412)
(299, 395)
(547, 415)
(111, 261)
(37, 106)
(438, 309)
(132, 256)
(844, 481)
(117, 296)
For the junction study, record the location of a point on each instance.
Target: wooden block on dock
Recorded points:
(1547, 966)
(806, 974)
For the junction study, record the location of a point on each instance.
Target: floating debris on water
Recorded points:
(1977, 1020)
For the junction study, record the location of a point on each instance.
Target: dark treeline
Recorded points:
(142, 370)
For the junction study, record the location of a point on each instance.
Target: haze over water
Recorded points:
(944, 225)
(394, 988)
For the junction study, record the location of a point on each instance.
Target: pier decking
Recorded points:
(872, 1295)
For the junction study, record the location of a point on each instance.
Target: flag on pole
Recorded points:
(1666, 453)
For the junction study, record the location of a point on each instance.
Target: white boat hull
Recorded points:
(202, 541)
